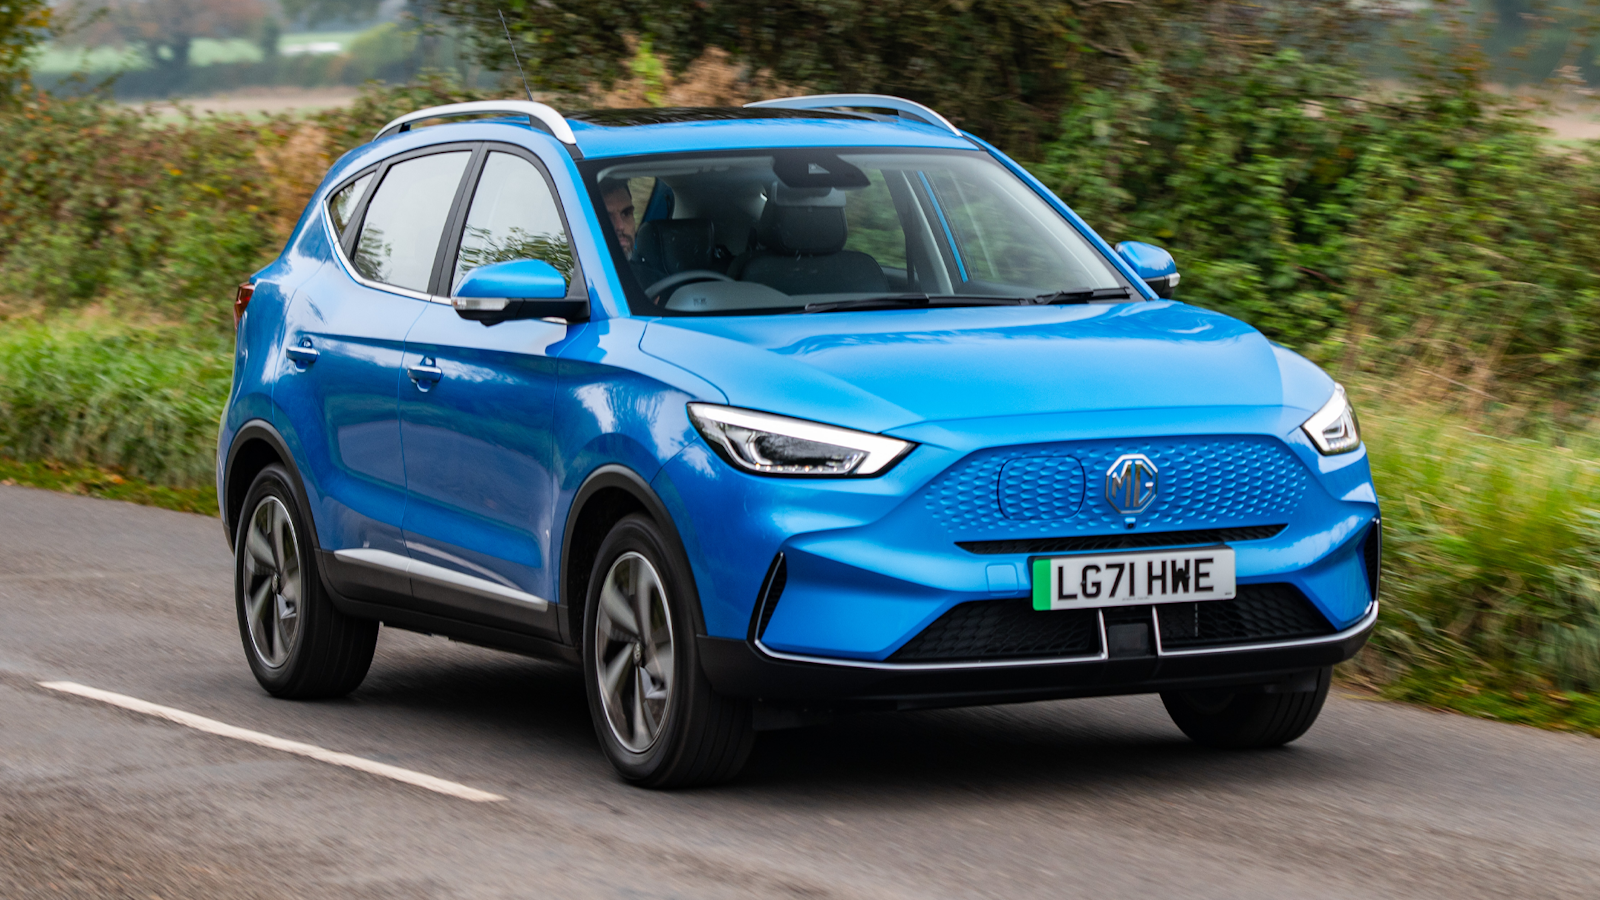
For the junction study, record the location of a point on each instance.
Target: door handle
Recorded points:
(303, 355)
(425, 374)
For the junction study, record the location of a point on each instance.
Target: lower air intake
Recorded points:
(1003, 629)
(1260, 613)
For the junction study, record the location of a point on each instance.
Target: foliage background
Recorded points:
(1428, 242)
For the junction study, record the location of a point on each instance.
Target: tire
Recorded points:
(299, 646)
(1240, 720)
(657, 718)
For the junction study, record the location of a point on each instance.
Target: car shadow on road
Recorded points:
(536, 706)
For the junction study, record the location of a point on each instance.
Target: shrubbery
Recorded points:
(1432, 247)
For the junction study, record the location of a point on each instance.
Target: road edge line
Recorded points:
(311, 751)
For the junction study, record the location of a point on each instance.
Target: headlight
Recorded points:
(778, 445)
(1334, 428)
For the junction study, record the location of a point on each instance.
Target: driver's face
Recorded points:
(619, 204)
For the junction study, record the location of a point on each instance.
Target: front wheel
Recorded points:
(1241, 720)
(654, 711)
(298, 645)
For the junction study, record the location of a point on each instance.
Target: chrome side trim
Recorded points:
(878, 101)
(421, 571)
(535, 111)
(1102, 656)
(350, 269)
(1366, 621)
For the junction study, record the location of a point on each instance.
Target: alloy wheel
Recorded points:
(634, 651)
(273, 588)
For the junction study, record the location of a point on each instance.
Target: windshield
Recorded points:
(782, 230)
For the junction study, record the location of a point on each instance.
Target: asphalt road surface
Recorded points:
(1083, 798)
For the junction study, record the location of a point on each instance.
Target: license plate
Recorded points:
(1120, 579)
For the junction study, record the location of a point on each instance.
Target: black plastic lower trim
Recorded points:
(738, 668)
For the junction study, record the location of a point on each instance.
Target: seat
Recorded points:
(670, 246)
(801, 238)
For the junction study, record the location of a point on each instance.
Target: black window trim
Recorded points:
(344, 244)
(444, 263)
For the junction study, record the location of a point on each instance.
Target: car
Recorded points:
(762, 415)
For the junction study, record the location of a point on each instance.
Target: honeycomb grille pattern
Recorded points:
(1260, 612)
(1041, 487)
(1203, 482)
(1003, 629)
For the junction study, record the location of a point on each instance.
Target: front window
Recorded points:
(819, 229)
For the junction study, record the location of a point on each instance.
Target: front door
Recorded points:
(346, 330)
(476, 415)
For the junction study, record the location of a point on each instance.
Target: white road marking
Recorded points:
(223, 729)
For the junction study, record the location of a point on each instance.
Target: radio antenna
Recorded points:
(521, 74)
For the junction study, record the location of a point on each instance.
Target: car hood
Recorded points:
(887, 369)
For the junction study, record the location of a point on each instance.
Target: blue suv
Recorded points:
(762, 414)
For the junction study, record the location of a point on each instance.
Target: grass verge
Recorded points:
(91, 481)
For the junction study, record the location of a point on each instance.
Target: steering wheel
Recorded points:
(672, 282)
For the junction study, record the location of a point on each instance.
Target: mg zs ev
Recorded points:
(760, 414)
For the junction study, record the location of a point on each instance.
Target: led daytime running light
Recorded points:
(766, 444)
(1334, 428)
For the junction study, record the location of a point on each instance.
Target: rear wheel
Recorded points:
(1240, 720)
(656, 716)
(298, 645)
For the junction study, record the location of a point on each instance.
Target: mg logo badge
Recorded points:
(1131, 483)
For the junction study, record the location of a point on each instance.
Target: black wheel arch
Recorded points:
(608, 494)
(256, 445)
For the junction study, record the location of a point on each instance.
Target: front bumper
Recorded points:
(743, 668)
(871, 564)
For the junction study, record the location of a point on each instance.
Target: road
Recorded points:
(1098, 798)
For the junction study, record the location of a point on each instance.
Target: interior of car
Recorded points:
(790, 228)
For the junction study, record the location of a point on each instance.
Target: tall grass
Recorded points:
(1492, 545)
(143, 400)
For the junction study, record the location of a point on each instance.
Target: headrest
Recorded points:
(802, 230)
(675, 245)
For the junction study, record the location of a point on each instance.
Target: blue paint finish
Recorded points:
(938, 209)
(478, 457)
(1148, 260)
(518, 279)
(1016, 412)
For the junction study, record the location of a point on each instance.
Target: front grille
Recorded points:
(1031, 490)
(1125, 541)
(1260, 612)
(984, 630)
(1003, 629)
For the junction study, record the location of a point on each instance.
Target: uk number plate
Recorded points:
(1120, 579)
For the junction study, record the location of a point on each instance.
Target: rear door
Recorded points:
(476, 415)
(345, 334)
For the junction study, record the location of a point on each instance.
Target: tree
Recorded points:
(165, 30)
(316, 12)
(23, 24)
(1003, 68)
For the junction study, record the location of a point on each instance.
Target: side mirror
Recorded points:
(1153, 264)
(517, 289)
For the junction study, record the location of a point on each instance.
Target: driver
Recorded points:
(619, 205)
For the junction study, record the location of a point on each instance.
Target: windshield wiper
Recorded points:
(1083, 295)
(909, 301)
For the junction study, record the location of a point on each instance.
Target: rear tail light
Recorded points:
(241, 299)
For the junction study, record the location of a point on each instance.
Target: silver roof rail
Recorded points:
(538, 115)
(867, 101)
